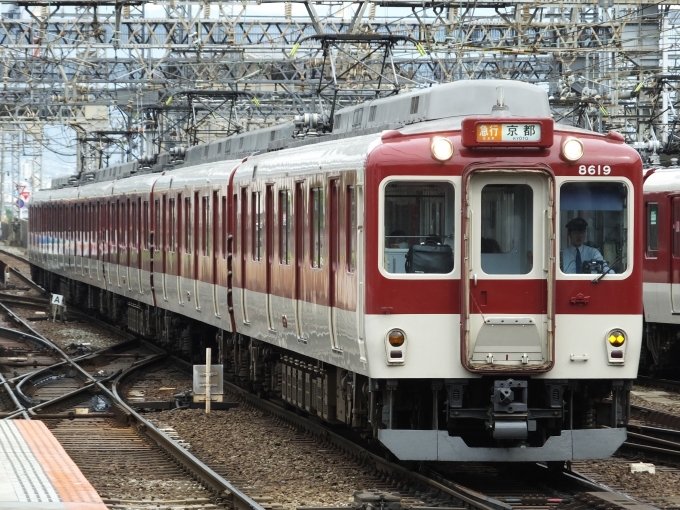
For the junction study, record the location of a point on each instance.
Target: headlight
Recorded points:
(572, 149)
(616, 338)
(396, 338)
(442, 148)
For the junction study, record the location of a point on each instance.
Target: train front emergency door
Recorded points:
(508, 265)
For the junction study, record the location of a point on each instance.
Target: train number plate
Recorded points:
(508, 132)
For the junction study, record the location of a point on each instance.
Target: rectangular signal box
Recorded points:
(507, 132)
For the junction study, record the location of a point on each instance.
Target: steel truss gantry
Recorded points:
(132, 78)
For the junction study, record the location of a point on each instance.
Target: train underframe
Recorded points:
(661, 350)
(488, 414)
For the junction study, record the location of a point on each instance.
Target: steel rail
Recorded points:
(471, 498)
(21, 410)
(26, 280)
(18, 257)
(238, 499)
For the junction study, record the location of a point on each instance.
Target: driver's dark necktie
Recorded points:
(579, 264)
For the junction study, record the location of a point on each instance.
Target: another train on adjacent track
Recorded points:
(448, 271)
(661, 252)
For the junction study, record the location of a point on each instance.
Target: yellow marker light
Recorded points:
(396, 338)
(442, 148)
(616, 338)
(572, 149)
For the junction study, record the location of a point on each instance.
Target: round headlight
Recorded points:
(442, 148)
(616, 337)
(396, 338)
(572, 149)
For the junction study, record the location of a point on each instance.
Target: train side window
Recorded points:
(652, 229)
(79, 218)
(205, 214)
(317, 226)
(86, 226)
(284, 227)
(157, 222)
(171, 235)
(123, 225)
(133, 225)
(418, 226)
(256, 225)
(223, 227)
(593, 224)
(145, 226)
(351, 234)
(187, 225)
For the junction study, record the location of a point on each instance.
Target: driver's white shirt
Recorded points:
(587, 253)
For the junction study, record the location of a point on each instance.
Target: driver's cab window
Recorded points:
(418, 227)
(593, 229)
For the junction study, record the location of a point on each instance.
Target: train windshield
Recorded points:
(419, 223)
(593, 227)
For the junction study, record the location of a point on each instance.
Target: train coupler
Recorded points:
(509, 416)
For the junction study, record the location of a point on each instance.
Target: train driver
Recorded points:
(574, 255)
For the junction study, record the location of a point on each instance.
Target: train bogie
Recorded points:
(465, 287)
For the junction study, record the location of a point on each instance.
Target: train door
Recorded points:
(78, 241)
(269, 249)
(299, 207)
(243, 235)
(127, 241)
(181, 229)
(188, 267)
(141, 238)
(675, 254)
(200, 240)
(508, 270)
(215, 248)
(334, 260)
(136, 245)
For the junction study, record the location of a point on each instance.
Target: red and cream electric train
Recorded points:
(448, 271)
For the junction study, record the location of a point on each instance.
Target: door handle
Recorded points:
(474, 279)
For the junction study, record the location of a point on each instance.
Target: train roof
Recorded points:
(662, 179)
(443, 101)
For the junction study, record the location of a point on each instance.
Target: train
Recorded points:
(661, 251)
(446, 271)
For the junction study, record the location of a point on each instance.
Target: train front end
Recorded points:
(503, 310)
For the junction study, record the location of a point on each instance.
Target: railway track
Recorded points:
(426, 486)
(92, 422)
(130, 462)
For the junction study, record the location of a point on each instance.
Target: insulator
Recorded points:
(371, 11)
(43, 12)
(526, 13)
(126, 11)
(289, 10)
(206, 10)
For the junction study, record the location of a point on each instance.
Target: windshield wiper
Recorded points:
(606, 269)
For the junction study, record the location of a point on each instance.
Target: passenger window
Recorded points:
(284, 227)
(188, 227)
(652, 230)
(256, 228)
(507, 229)
(172, 214)
(317, 225)
(419, 227)
(593, 227)
(351, 223)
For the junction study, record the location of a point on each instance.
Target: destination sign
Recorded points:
(508, 132)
